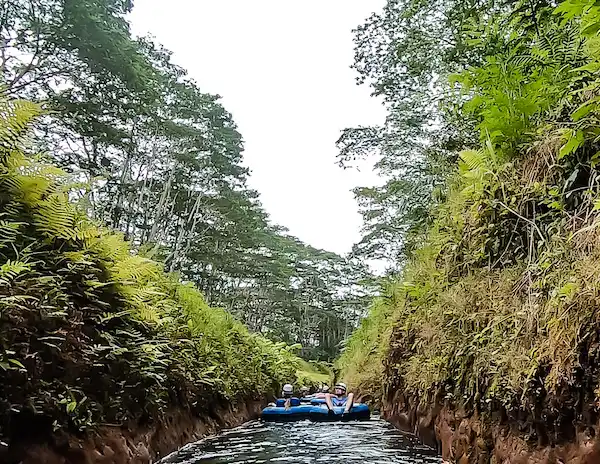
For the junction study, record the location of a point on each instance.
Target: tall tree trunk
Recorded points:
(160, 207)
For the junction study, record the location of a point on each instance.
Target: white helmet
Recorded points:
(325, 388)
(341, 386)
(288, 388)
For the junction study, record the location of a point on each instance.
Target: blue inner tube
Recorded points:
(317, 401)
(321, 413)
(280, 414)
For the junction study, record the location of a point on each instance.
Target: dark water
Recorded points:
(370, 442)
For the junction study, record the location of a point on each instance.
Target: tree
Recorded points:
(161, 161)
(407, 53)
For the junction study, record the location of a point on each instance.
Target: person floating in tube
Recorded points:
(288, 399)
(339, 398)
(319, 394)
(323, 390)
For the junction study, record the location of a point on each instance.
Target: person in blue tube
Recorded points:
(339, 398)
(288, 399)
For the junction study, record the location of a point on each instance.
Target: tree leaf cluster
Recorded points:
(161, 161)
(92, 333)
(497, 307)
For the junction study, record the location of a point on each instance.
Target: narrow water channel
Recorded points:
(371, 442)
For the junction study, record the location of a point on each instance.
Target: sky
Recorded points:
(283, 70)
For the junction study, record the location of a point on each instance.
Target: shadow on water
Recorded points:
(369, 442)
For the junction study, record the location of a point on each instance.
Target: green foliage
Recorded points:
(313, 374)
(498, 305)
(161, 161)
(406, 52)
(92, 333)
(362, 358)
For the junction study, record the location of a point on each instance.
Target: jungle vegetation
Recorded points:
(489, 213)
(161, 161)
(93, 333)
(138, 271)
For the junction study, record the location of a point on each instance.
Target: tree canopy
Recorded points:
(161, 161)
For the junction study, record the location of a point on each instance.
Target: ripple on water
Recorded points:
(371, 442)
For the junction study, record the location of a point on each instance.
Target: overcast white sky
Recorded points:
(283, 70)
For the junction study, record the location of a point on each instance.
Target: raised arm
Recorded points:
(328, 401)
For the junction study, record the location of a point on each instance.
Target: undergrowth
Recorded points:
(91, 333)
(500, 305)
(361, 364)
(313, 374)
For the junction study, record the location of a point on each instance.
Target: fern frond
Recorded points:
(110, 247)
(135, 268)
(15, 118)
(472, 159)
(10, 270)
(9, 231)
(56, 217)
(148, 313)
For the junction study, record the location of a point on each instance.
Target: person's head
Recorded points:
(288, 390)
(304, 390)
(340, 389)
(324, 388)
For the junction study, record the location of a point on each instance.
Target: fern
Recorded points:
(135, 268)
(15, 118)
(9, 231)
(472, 160)
(110, 246)
(10, 270)
(56, 218)
(90, 295)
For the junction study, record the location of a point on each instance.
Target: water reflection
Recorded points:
(373, 441)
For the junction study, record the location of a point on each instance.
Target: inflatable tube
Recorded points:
(358, 412)
(317, 401)
(280, 403)
(277, 414)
